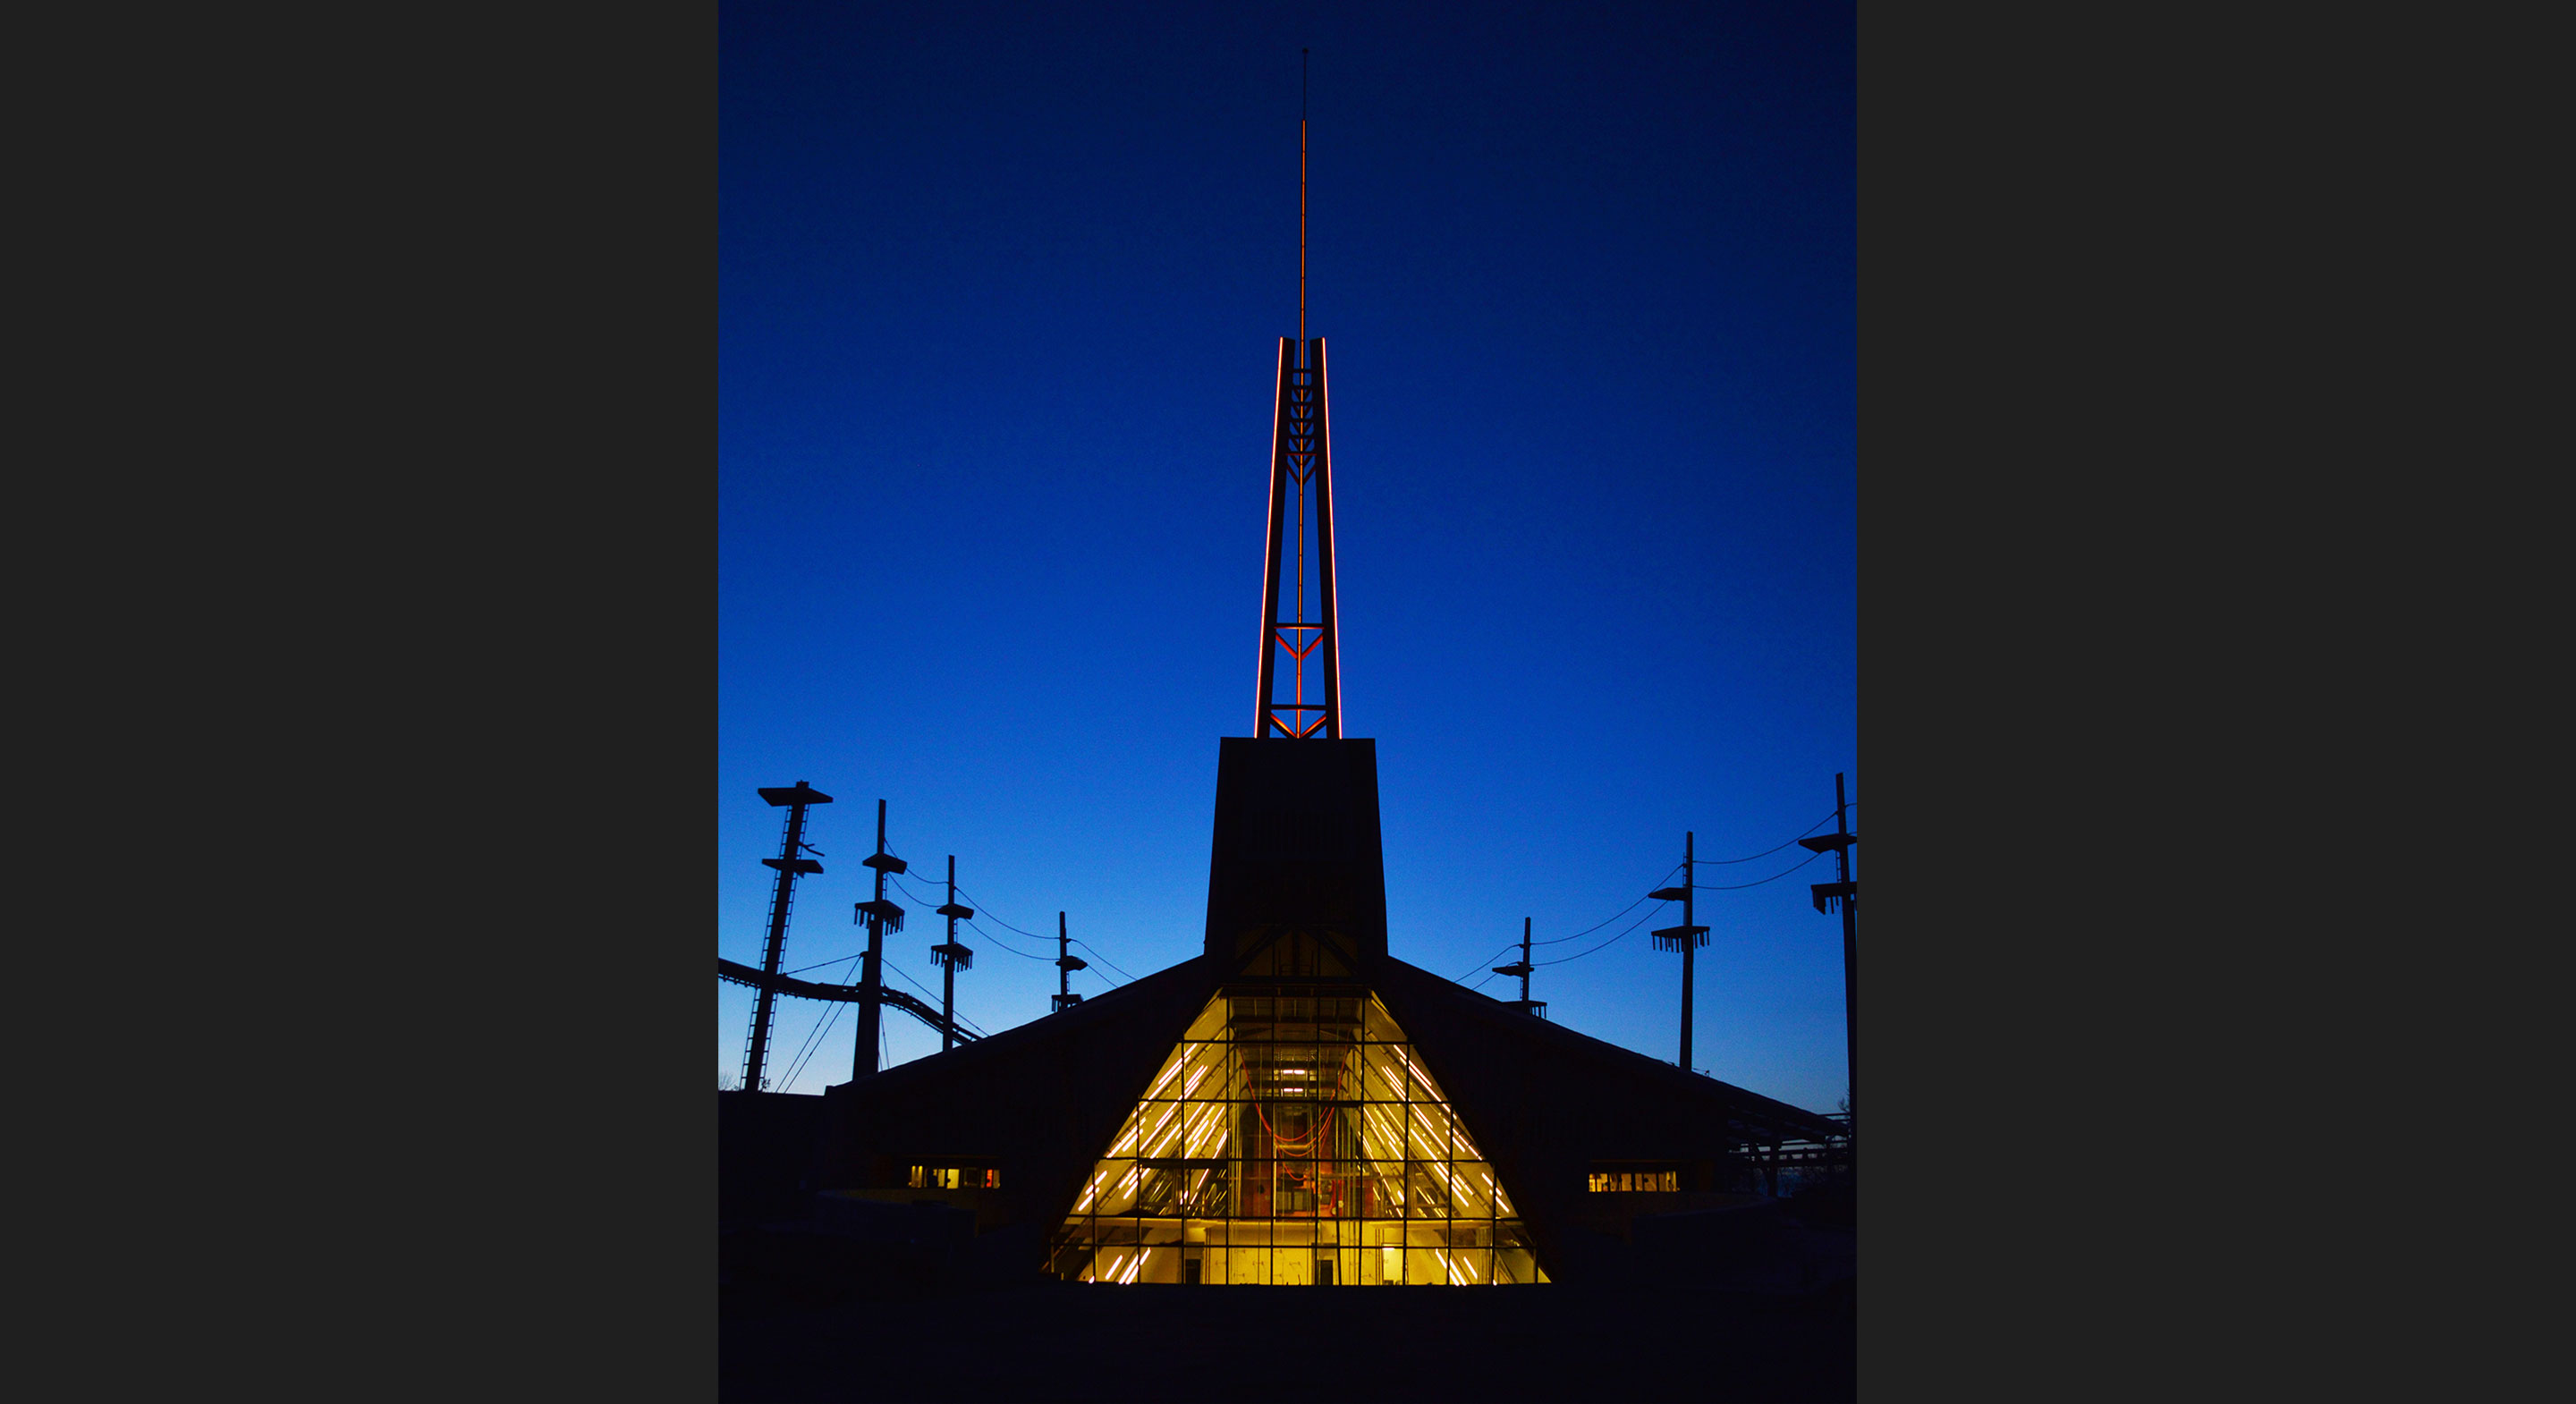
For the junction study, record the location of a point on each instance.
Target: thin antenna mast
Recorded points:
(1300, 467)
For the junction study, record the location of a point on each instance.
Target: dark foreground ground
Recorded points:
(1055, 1341)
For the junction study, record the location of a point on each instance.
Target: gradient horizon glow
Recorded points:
(1000, 293)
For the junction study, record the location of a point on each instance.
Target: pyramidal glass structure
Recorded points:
(1293, 1138)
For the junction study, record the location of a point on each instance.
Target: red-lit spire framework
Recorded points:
(1300, 625)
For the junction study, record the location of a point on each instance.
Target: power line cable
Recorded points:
(981, 910)
(1605, 921)
(1765, 853)
(1005, 945)
(1632, 926)
(1757, 882)
(977, 903)
(1578, 955)
(885, 1058)
(962, 1021)
(906, 888)
(890, 965)
(1489, 975)
(797, 1064)
(1095, 950)
(812, 1042)
(907, 979)
(1032, 935)
(1559, 940)
(1614, 916)
(1660, 882)
(979, 930)
(813, 1037)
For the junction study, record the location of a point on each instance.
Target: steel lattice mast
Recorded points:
(1300, 618)
(791, 864)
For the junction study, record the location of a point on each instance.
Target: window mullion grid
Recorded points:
(1412, 1192)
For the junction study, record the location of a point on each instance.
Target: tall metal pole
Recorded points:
(1851, 956)
(1066, 962)
(882, 916)
(952, 958)
(1521, 968)
(791, 864)
(948, 971)
(1689, 948)
(869, 972)
(1685, 938)
(1847, 892)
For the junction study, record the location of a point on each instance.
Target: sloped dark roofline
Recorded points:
(1097, 1009)
(1766, 1117)
(1402, 985)
(1052, 1093)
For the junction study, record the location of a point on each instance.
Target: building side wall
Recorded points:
(1547, 1110)
(1038, 1102)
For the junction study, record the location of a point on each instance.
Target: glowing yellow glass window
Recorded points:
(954, 1177)
(1293, 1138)
(1634, 1182)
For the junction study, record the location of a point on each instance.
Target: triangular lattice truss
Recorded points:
(1301, 626)
(1294, 1138)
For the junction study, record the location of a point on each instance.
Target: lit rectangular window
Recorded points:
(954, 1177)
(1634, 1181)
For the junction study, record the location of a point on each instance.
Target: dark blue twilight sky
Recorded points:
(1000, 288)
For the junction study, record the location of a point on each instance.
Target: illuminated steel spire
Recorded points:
(1300, 624)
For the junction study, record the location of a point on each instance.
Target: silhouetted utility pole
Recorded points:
(1522, 968)
(952, 958)
(791, 864)
(1066, 962)
(882, 916)
(1684, 938)
(1846, 895)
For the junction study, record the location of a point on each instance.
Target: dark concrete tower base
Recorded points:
(1296, 852)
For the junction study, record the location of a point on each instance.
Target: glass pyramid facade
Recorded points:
(1293, 1138)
